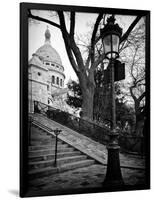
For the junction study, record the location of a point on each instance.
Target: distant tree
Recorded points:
(125, 116)
(134, 88)
(74, 96)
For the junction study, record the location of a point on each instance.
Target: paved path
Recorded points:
(87, 177)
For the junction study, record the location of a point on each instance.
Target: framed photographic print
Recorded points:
(84, 99)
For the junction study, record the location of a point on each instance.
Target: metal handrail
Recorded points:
(104, 124)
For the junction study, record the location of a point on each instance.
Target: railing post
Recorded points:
(35, 106)
(55, 162)
(29, 129)
(56, 132)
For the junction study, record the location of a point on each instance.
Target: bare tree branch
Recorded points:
(87, 61)
(132, 94)
(62, 22)
(30, 15)
(99, 18)
(71, 46)
(72, 24)
(126, 34)
(97, 62)
(142, 96)
(67, 41)
(71, 58)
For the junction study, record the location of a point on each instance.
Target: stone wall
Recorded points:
(37, 85)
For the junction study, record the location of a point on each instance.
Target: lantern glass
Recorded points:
(115, 43)
(107, 44)
(111, 46)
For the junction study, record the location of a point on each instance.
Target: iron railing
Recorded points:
(96, 131)
(89, 129)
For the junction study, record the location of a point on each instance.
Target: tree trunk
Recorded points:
(87, 104)
(139, 128)
(139, 125)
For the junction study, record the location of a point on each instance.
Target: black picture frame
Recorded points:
(24, 7)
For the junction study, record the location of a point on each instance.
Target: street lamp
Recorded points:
(111, 34)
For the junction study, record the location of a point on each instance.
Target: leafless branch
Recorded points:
(72, 24)
(126, 34)
(99, 18)
(30, 15)
(70, 44)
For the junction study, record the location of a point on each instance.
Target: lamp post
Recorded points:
(111, 34)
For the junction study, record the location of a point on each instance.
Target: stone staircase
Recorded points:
(42, 155)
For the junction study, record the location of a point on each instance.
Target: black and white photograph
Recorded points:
(86, 99)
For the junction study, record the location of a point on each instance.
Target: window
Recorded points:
(39, 74)
(57, 80)
(47, 63)
(53, 65)
(53, 79)
(61, 84)
(48, 87)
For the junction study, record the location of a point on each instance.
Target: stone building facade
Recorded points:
(46, 75)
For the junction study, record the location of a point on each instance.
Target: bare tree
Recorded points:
(135, 86)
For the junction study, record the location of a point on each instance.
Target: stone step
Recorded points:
(41, 142)
(39, 132)
(34, 137)
(43, 136)
(51, 156)
(37, 173)
(60, 161)
(49, 146)
(44, 139)
(50, 151)
(46, 142)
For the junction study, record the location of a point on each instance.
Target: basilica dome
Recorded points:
(47, 52)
